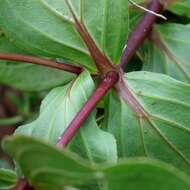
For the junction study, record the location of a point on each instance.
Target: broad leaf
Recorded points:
(169, 51)
(49, 168)
(181, 7)
(46, 27)
(152, 118)
(26, 76)
(57, 111)
(145, 175)
(8, 179)
(44, 165)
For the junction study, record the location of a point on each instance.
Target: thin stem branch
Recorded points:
(142, 30)
(106, 84)
(41, 61)
(101, 61)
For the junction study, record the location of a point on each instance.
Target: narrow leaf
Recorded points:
(8, 179)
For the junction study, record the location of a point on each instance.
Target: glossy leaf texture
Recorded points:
(181, 7)
(46, 27)
(152, 118)
(28, 77)
(44, 165)
(56, 169)
(168, 52)
(57, 111)
(8, 179)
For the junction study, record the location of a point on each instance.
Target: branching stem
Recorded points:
(111, 73)
(135, 40)
(105, 85)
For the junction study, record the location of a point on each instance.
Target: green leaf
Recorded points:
(57, 111)
(145, 175)
(11, 121)
(8, 179)
(46, 27)
(49, 168)
(26, 76)
(169, 52)
(181, 7)
(44, 165)
(152, 119)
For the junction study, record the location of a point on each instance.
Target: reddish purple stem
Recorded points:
(41, 61)
(135, 40)
(22, 185)
(142, 30)
(106, 84)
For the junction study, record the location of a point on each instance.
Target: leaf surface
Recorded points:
(152, 118)
(44, 165)
(181, 7)
(169, 52)
(56, 169)
(144, 174)
(8, 179)
(28, 77)
(57, 111)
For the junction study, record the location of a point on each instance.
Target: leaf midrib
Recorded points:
(171, 145)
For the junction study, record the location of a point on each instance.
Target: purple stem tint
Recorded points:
(106, 84)
(142, 30)
(135, 40)
(22, 185)
(41, 61)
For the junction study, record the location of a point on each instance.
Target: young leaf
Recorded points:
(57, 111)
(145, 175)
(8, 179)
(151, 118)
(46, 27)
(169, 51)
(28, 77)
(44, 165)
